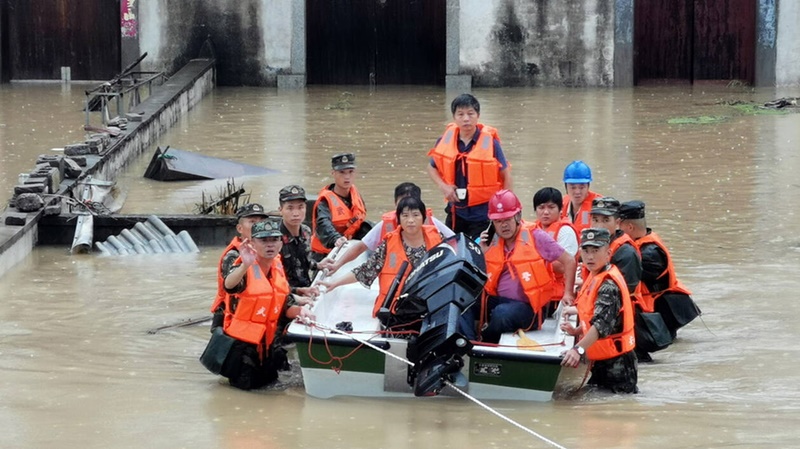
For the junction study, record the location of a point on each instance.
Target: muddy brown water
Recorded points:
(79, 370)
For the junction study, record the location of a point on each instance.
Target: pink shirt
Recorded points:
(550, 251)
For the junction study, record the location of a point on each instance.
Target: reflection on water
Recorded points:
(79, 369)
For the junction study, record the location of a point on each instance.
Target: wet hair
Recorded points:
(465, 101)
(547, 195)
(410, 202)
(407, 189)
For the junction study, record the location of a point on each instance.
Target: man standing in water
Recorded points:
(662, 292)
(605, 334)
(257, 292)
(246, 216)
(578, 202)
(339, 213)
(468, 165)
(296, 236)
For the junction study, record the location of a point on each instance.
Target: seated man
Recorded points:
(662, 292)
(578, 202)
(256, 302)
(339, 213)
(388, 223)
(519, 280)
(547, 203)
(605, 334)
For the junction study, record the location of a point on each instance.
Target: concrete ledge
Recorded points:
(289, 82)
(461, 83)
(174, 98)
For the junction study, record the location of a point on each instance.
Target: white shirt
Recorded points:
(373, 237)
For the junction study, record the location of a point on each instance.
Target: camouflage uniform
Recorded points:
(296, 257)
(619, 374)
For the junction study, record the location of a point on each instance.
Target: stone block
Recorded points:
(30, 188)
(29, 202)
(72, 169)
(52, 159)
(134, 117)
(77, 149)
(80, 160)
(95, 145)
(53, 209)
(15, 218)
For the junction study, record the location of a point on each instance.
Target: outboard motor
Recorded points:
(444, 284)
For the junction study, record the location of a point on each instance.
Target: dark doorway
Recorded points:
(375, 41)
(45, 35)
(694, 40)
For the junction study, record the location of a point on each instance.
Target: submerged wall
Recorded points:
(537, 43)
(252, 38)
(787, 64)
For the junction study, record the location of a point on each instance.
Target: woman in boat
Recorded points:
(409, 242)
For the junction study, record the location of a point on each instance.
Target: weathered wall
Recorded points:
(537, 43)
(252, 38)
(787, 64)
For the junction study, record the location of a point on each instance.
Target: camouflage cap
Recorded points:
(631, 210)
(605, 206)
(292, 192)
(595, 237)
(343, 161)
(270, 227)
(251, 210)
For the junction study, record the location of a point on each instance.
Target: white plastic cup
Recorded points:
(461, 194)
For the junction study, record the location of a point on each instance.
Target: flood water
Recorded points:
(79, 370)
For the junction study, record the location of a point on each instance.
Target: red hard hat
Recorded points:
(504, 204)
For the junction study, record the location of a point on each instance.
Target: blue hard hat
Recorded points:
(577, 172)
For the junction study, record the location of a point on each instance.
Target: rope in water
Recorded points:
(448, 383)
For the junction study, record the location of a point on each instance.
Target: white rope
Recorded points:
(447, 382)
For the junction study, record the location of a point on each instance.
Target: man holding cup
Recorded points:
(469, 167)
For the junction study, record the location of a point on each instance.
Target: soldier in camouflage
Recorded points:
(296, 235)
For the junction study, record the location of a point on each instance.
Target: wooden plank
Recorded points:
(724, 40)
(663, 40)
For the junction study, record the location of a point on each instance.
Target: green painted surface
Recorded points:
(517, 374)
(364, 359)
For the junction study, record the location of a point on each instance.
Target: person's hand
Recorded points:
(327, 266)
(568, 328)
(340, 241)
(568, 299)
(569, 311)
(247, 253)
(311, 292)
(304, 300)
(326, 285)
(571, 358)
(449, 192)
(305, 315)
(484, 241)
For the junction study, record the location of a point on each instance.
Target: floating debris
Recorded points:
(229, 199)
(701, 120)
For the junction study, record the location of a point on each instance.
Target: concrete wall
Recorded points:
(787, 63)
(252, 38)
(537, 43)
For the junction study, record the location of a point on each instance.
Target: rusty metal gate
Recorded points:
(693, 40)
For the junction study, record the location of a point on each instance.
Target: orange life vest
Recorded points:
(525, 264)
(346, 220)
(260, 306)
(636, 295)
(616, 344)
(395, 256)
(389, 221)
(583, 217)
(674, 285)
(480, 167)
(221, 293)
(558, 278)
